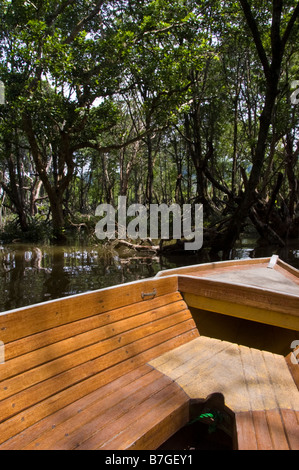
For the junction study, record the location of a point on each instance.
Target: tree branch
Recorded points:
(217, 185)
(290, 25)
(156, 31)
(53, 17)
(79, 26)
(256, 36)
(108, 148)
(275, 31)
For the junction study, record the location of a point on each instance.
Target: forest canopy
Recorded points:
(162, 102)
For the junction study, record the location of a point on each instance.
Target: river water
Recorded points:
(30, 274)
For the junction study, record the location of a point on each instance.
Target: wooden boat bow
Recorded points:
(119, 368)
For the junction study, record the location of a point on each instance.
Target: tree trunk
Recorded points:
(227, 240)
(194, 146)
(58, 222)
(62, 179)
(108, 185)
(150, 171)
(291, 161)
(14, 188)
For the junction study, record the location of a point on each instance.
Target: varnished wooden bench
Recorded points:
(118, 369)
(76, 372)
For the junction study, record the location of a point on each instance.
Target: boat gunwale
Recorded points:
(287, 267)
(213, 282)
(214, 265)
(81, 294)
(230, 263)
(177, 273)
(239, 284)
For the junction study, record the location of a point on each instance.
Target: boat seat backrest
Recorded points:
(60, 351)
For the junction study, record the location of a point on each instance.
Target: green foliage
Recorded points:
(153, 99)
(38, 230)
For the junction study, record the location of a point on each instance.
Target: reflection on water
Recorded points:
(33, 274)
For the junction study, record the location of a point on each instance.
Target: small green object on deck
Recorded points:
(215, 416)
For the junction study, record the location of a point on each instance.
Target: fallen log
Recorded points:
(137, 247)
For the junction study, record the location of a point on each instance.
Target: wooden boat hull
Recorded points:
(119, 368)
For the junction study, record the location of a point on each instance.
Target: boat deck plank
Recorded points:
(257, 387)
(243, 375)
(261, 277)
(291, 423)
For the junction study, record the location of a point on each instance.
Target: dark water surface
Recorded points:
(30, 274)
